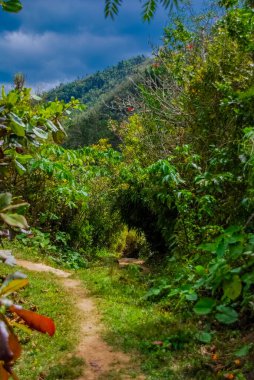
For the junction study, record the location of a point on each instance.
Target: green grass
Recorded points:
(44, 357)
(133, 324)
(71, 369)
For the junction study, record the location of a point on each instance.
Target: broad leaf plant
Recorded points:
(25, 122)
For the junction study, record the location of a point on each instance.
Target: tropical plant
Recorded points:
(24, 124)
(229, 277)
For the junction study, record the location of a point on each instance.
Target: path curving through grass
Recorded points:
(99, 357)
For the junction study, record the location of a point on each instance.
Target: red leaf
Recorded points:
(6, 355)
(14, 345)
(10, 349)
(35, 321)
(4, 375)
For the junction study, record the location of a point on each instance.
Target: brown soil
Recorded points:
(99, 357)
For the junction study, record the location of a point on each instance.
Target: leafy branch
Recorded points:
(149, 7)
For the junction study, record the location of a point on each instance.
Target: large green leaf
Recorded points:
(14, 220)
(210, 247)
(204, 306)
(51, 126)
(40, 133)
(61, 128)
(243, 351)
(18, 130)
(200, 269)
(17, 125)
(36, 97)
(191, 296)
(222, 247)
(232, 288)
(12, 98)
(204, 337)
(5, 200)
(226, 315)
(23, 158)
(19, 167)
(13, 6)
(15, 207)
(12, 283)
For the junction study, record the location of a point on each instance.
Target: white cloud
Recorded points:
(19, 42)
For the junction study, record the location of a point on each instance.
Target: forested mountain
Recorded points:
(90, 88)
(106, 95)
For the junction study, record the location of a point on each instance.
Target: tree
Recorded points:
(19, 81)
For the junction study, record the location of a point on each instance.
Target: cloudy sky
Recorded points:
(54, 41)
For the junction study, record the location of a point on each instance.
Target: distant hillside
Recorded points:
(103, 93)
(92, 87)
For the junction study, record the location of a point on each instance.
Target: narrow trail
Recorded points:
(99, 357)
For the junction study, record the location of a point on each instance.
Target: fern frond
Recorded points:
(112, 7)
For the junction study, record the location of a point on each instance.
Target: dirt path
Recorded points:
(98, 355)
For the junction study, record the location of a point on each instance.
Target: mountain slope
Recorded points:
(104, 93)
(91, 88)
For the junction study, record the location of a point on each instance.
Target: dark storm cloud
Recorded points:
(57, 40)
(52, 56)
